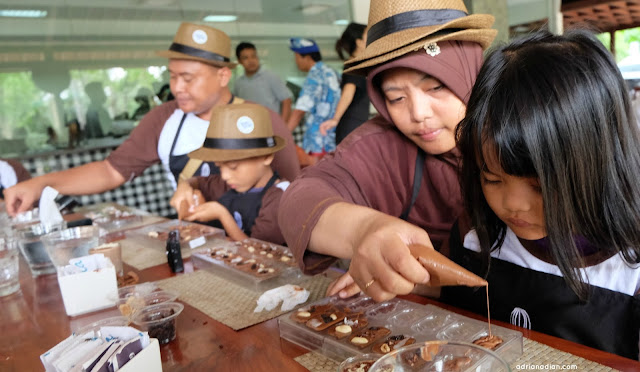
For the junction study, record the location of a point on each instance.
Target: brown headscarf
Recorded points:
(456, 66)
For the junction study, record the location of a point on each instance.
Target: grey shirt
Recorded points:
(263, 87)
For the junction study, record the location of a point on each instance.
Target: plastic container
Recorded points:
(252, 263)
(445, 356)
(66, 244)
(32, 248)
(114, 321)
(192, 235)
(400, 322)
(159, 320)
(142, 289)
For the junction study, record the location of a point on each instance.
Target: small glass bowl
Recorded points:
(360, 362)
(143, 289)
(159, 320)
(441, 356)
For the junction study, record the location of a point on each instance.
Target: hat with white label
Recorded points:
(200, 43)
(238, 131)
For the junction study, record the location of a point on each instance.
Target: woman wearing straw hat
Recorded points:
(393, 181)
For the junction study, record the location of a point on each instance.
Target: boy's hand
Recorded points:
(183, 196)
(207, 212)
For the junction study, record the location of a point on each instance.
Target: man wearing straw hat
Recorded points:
(394, 180)
(200, 70)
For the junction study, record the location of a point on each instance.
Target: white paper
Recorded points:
(290, 295)
(49, 213)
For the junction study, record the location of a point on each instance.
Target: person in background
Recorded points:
(144, 98)
(98, 123)
(11, 172)
(550, 162)
(259, 84)
(242, 145)
(200, 70)
(318, 98)
(353, 106)
(394, 180)
(52, 136)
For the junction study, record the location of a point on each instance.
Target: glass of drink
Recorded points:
(9, 267)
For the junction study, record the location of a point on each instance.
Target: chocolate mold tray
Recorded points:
(246, 264)
(192, 235)
(113, 217)
(400, 317)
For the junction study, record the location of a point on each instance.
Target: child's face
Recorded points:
(242, 175)
(517, 201)
(422, 108)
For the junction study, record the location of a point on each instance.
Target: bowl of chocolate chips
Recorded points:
(159, 320)
(441, 356)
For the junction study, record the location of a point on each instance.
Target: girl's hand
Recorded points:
(344, 286)
(381, 264)
(207, 212)
(327, 126)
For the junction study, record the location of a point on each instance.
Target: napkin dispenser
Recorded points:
(88, 284)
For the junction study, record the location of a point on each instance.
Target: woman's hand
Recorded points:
(344, 286)
(327, 126)
(381, 264)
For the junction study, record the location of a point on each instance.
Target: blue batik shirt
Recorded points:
(319, 98)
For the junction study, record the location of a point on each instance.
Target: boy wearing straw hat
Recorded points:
(241, 142)
(200, 69)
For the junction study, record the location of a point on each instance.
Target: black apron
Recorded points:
(178, 162)
(245, 207)
(1, 192)
(609, 321)
(417, 181)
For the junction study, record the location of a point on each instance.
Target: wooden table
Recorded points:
(34, 320)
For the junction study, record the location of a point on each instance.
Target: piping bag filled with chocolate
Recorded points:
(445, 272)
(442, 270)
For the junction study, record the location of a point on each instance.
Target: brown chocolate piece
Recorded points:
(368, 336)
(350, 324)
(393, 343)
(489, 342)
(455, 365)
(325, 319)
(362, 366)
(442, 270)
(304, 314)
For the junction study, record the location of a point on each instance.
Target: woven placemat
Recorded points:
(140, 254)
(535, 356)
(230, 303)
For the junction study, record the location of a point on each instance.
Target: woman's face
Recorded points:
(422, 108)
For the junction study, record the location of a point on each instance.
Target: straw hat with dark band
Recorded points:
(239, 131)
(200, 43)
(399, 27)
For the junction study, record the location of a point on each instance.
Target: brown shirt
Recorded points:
(265, 226)
(373, 167)
(141, 150)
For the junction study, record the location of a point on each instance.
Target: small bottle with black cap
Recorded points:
(174, 255)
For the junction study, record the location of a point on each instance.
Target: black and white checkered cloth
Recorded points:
(150, 192)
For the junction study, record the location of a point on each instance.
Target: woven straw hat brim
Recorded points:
(474, 27)
(208, 154)
(177, 55)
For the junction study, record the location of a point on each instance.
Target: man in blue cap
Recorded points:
(318, 98)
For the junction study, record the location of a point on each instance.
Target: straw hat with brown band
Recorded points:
(193, 164)
(399, 27)
(200, 43)
(238, 132)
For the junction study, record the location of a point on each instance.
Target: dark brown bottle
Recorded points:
(174, 255)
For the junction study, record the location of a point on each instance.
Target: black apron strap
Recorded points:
(417, 180)
(175, 139)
